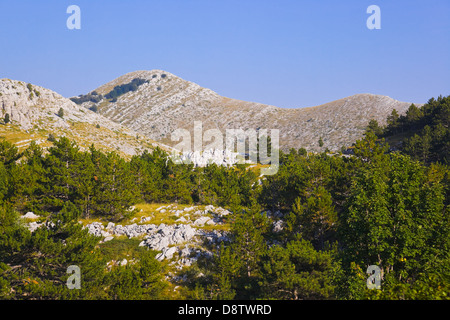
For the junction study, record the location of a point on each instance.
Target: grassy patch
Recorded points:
(121, 248)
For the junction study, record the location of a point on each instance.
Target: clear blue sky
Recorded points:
(288, 53)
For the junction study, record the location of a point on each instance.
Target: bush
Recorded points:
(61, 112)
(91, 97)
(51, 137)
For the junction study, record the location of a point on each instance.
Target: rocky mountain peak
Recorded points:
(165, 102)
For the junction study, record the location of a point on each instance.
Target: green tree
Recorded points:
(320, 142)
(396, 219)
(315, 220)
(114, 188)
(6, 120)
(393, 121)
(34, 265)
(374, 127)
(248, 243)
(297, 272)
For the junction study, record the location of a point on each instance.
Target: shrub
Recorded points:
(51, 137)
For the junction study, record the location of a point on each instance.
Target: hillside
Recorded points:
(33, 113)
(165, 102)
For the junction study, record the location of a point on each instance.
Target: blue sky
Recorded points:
(287, 53)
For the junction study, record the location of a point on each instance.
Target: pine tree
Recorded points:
(115, 190)
(248, 244)
(61, 166)
(298, 271)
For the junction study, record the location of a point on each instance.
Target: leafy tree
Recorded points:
(396, 219)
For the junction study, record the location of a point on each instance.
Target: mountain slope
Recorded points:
(33, 113)
(166, 102)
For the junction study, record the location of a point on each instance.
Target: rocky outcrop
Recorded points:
(185, 239)
(210, 156)
(36, 111)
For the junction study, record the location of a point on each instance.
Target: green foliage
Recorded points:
(6, 119)
(374, 128)
(124, 88)
(320, 142)
(396, 219)
(61, 112)
(298, 271)
(427, 131)
(34, 265)
(91, 97)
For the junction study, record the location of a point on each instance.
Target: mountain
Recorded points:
(155, 103)
(33, 113)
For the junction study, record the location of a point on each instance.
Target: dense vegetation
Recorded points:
(424, 132)
(90, 97)
(112, 95)
(340, 215)
(124, 88)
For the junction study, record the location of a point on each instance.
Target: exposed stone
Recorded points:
(201, 221)
(30, 215)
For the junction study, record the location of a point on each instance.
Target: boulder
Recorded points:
(201, 221)
(30, 215)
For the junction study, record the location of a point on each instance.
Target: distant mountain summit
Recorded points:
(163, 102)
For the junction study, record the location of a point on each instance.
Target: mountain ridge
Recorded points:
(166, 103)
(34, 115)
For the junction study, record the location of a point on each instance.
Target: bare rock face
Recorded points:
(35, 109)
(166, 103)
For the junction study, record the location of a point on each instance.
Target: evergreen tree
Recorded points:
(115, 190)
(6, 120)
(297, 272)
(374, 128)
(248, 244)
